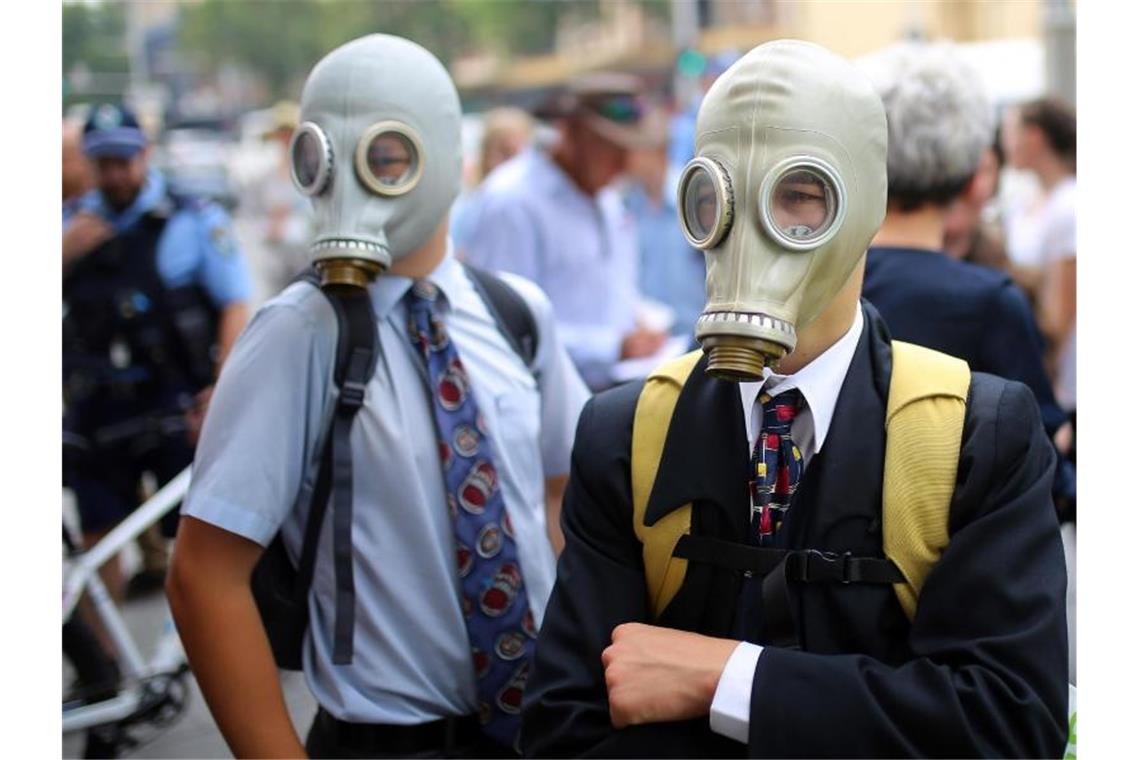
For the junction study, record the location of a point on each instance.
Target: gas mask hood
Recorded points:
(377, 152)
(788, 187)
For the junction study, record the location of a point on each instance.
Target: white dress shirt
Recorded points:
(819, 382)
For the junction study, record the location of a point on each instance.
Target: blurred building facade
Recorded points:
(1035, 38)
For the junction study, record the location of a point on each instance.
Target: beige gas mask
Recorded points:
(788, 187)
(378, 152)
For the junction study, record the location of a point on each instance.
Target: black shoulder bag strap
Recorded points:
(510, 312)
(356, 355)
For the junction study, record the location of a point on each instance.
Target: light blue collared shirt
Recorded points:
(197, 245)
(581, 250)
(256, 460)
(672, 271)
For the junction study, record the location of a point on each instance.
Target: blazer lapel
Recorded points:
(705, 458)
(842, 492)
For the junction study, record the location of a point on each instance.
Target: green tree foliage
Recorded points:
(282, 39)
(95, 37)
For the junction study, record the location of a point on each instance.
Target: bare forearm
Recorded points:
(230, 324)
(555, 487)
(231, 659)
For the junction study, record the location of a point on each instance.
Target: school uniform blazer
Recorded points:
(981, 671)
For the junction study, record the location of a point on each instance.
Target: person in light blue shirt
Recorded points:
(554, 218)
(671, 270)
(198, 245)
(412, 655)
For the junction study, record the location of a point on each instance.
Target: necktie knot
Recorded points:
(780, 411)
(425, 326)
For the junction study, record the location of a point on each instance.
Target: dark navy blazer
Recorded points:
(965, 310)
(981, 671)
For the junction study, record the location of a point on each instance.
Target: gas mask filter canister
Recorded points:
(786, 192)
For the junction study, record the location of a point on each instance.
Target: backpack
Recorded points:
(926, 410)
(280, 589)
(926, 413)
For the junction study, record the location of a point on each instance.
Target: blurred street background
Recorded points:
(216, 86)
(205, 75)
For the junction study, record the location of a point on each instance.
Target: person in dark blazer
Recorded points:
(941, 126)
(981, 669)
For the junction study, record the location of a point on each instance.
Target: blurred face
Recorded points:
(598, 161)
(1016, 140)
(502, 147)
(120, 179)
(648, 167)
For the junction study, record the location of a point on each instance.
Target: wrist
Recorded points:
(719, 652)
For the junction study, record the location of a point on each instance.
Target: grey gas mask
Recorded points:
(378, 153)
(788, 187)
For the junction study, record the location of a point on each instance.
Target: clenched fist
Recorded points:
(85, 233)
(656, 674)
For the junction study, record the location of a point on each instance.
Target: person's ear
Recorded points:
(974, 193)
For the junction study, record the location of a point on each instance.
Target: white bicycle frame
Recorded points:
(82, 575)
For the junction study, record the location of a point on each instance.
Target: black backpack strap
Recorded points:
(357, 351)
(780, 567)
(510, 312)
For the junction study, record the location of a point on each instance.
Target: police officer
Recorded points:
(457, 453)
(155, 293)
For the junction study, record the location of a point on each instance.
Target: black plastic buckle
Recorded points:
(814, 566)
(352, 394)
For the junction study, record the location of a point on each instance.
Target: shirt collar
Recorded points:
(387, 290)
(819, 382)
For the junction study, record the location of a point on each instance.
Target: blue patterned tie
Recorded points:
(499, 621)
(776, 466)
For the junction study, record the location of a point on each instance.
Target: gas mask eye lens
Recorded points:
(310, 159)
(389, 158)
(705, 202)
(801, 204)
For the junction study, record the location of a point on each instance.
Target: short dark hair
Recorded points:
(1057, 120)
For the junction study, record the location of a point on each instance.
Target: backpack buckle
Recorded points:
(815, 566)
(351, 394)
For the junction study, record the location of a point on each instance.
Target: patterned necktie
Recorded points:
(776, 466)
(499, 621)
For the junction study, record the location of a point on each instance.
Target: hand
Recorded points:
(1063, 438)
(656, 674)
(642, 342)
(196, 415)
(85, 233)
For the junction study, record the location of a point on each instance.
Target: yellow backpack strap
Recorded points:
(926, 410)
(663, 572)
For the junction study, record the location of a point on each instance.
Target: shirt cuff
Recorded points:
(732, 703)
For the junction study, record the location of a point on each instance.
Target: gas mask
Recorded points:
(788, 187)
(378, 153)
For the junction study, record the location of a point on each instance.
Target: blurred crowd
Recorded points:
(976, 256)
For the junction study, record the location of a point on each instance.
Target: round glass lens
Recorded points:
(391, 158)
(802, 204)
(306, 159)
(702, 207)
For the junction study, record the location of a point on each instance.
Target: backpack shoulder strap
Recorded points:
(357, 350)
(663, 571)
(926, 412)
(510, 312)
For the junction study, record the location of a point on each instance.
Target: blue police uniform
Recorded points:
(182, 254)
